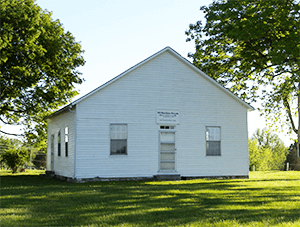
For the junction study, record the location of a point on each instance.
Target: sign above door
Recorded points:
(167, 117)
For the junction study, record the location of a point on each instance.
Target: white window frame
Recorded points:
(212, 138)
(118, 136)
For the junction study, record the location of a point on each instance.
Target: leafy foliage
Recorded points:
(23, 154)
(259, 157)
(38, 63)
(252, 48)
(8, 143)
(4, 144)
(267, 151)
(14, 158)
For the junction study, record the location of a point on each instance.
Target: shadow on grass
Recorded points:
(35, 201)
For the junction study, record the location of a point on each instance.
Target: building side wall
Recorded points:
(63, 166)
(164, 83)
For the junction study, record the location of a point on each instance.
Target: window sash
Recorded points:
(118, 146)
(118, 139)
(213, 148)
(66, 149)
(58, 143)
(118, 131)
(66, 141)
(213, 134)
(213, 141)
(52, 143)
(66, 130)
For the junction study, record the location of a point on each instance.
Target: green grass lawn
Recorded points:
(266, 199)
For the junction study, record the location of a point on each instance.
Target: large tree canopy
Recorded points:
(38, 63)
(252, 48)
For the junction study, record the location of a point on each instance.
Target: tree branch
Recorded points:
(289, 112)
(11, 134)
(12, 110)
(7, 123)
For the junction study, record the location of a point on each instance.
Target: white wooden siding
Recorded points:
(63, 166)
(162, 83)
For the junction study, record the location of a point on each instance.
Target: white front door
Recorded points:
(167, 149)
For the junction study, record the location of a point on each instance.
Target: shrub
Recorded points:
(14, 158)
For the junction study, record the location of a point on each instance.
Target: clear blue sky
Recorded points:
(117, 34)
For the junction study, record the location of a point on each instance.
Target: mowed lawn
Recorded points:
(266, 199)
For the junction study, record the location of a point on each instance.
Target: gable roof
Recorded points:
(166, 49)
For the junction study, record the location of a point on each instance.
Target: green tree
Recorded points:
(254, 153)
(267, 151)
(253, 49)
(14, 148)
(260, 157)
(4, 145)
(38, 64)
(14, 158)
(271, 141)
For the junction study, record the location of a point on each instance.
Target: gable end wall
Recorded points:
(162, 83)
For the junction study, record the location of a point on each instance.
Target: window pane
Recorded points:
(167, 147)
(52, 144)
(58, 143)
(167, 165)
(167, 157)
(58, 137)
(66, 149)
(167, 137)
(118, 146)
(213, 148)
(213, 134)
(118, 131)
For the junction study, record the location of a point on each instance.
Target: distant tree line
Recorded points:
(267, 152)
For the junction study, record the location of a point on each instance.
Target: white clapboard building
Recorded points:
(161, 118)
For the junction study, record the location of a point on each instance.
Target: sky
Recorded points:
(118, 34)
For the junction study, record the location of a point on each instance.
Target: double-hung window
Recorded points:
(58, 143)
(213, 141)
(66, 141)
(118, 139)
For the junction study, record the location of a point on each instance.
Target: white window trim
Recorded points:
(110, 139)
(207, 155)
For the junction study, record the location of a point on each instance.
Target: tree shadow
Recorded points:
(140, 203)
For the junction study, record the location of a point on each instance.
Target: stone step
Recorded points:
(168, 177)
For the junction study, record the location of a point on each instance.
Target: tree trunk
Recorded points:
(298, 142)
